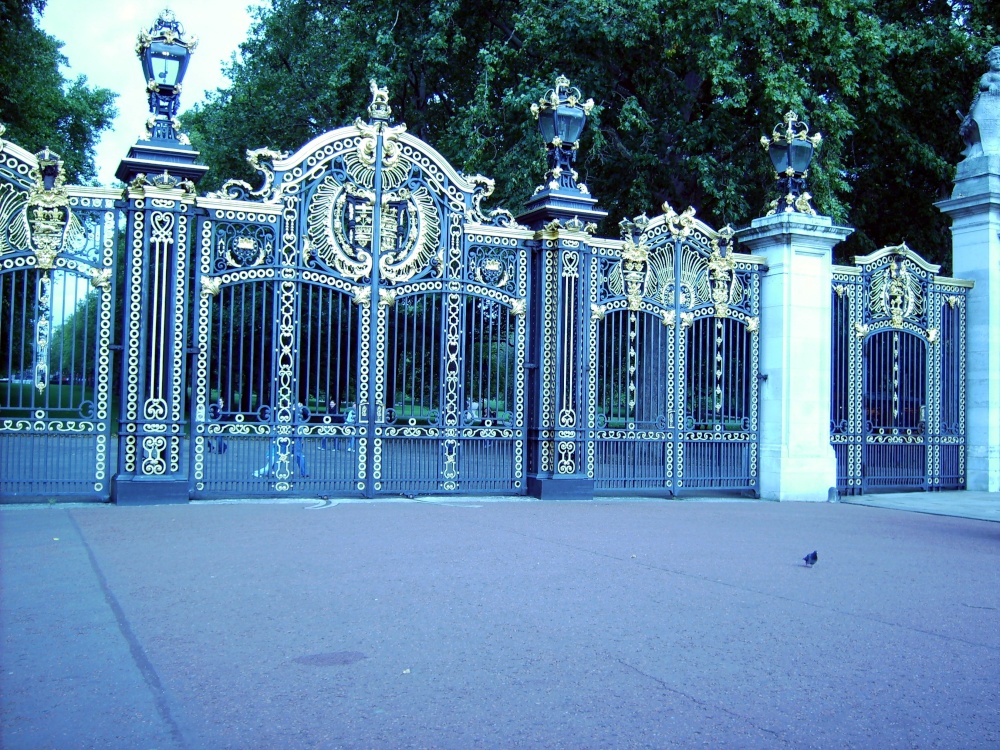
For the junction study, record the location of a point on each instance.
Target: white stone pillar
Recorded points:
(797, 461)
(974, 208)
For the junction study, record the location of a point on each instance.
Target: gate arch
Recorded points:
(897, 407)
(399, 330)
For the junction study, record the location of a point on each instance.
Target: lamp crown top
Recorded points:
(562, 94)
(791, 129)
(167, 29)
(47, 157)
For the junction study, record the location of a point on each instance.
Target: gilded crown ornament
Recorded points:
(48, 208)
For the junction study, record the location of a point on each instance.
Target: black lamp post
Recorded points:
(561, 119)
(791, 149)
(164, 52)
(163, 155)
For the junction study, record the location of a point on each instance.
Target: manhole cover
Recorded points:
(335, 659)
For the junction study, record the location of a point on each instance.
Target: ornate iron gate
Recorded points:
(361, 325)
(674, 351)
(57, 260)
(897, 410)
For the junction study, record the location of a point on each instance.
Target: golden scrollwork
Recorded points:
(896, 293)
(803, 206)
(210, 286)
(361, 295)
(100, 278)
(720, 271)
(634, 257)
(14, 232)
(679, 224)
(341, 224)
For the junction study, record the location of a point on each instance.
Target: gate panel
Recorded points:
(634, 401)
(394, 359)
(674, 346)
(897, 418)
(947, 429)
(408, 448)
(719, 439)
(57, 259)
(895, 408)
(236, 340)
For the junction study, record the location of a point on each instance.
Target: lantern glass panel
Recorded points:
(570, 121)
(801, 154)
(779, 156)
(547, 125)
(167, 63)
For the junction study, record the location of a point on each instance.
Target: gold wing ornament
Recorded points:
(14, 234)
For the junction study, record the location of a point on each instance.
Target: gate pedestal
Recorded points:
(133, 490)
(974, 209)
(558, 414)
(557, 487)
(152, 456)
(796, 458)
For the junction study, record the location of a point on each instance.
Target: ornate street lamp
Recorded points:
(164, 52)
(561, 119)
(163, 156)
(791, 149)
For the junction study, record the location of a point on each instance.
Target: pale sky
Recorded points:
(99, 40)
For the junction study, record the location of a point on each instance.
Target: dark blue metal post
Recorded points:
(160, 201)
(563, 216)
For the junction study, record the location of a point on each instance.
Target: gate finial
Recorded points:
(379, 109)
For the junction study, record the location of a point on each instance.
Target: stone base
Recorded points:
(982, 468)
(131, 490)
(568, 487)
(787, 476)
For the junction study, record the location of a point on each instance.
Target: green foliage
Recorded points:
(684, 92)
(37, 104)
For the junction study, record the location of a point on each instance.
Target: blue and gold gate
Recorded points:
(57, 259)
(360, 327)
(897, 408)
(674, 352)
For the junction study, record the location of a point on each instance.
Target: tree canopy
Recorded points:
(685, 89)
(38, 105)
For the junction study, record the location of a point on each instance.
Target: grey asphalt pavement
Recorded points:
(498, 625)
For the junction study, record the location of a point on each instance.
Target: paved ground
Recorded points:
(498, 625)
(984, 506)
